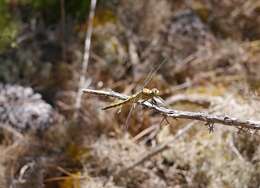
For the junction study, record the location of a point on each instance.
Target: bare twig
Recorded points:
(234, 149)
(185, 85)
(86, 55)
(145, 132)
(201, 116)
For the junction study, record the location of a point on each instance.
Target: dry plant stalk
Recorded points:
(209, 119)
(86, 55)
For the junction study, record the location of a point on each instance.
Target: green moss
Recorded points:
(8, 27)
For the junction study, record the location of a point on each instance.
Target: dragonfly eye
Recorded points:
(155, 91)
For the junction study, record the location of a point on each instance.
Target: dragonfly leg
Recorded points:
(164, 119)
(144, 101)
(119, 109)
(154, 101)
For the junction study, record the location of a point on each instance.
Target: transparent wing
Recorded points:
(129, 116)
(152, 73)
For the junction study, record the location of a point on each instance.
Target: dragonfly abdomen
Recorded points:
(132, 99)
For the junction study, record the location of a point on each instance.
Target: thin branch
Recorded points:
(145, 132)
(234, 149)
(86, 55)
(201, 116)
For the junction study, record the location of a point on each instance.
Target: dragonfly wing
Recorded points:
(152, 73)
(129, 116)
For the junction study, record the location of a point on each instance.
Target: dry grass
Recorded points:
(208, 54)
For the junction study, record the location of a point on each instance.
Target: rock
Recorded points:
(23, 109)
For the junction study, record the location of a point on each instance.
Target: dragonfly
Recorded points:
(143, 95)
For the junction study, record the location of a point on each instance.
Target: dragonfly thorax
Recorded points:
(153, 92)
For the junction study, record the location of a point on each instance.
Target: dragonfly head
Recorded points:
(155, 91)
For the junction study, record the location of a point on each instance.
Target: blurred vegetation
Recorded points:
(9, 26)
(31, 42)
(48, 9)
(129, 39)
(51, 8)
